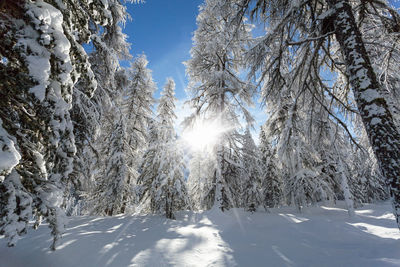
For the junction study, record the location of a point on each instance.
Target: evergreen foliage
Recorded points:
(218, 92)
(162, 182)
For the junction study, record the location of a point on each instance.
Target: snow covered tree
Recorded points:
(251, 173)
(148, 169)
(162, 180)
(136, 105)
(271, 175)
(307, 30)
(90, 108)
(42, 60)
(379, 31)
(366, 182)
(305, 185)
(286, 138)
(15, 202)
(219, 95)
(200, 181)
(114, 191)
(129, 136)
(39, 47)
(330, 142)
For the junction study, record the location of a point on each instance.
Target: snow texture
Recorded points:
(48, 22)
(9, 156)
(320, 236)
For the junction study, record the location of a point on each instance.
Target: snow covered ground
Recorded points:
(319, 236)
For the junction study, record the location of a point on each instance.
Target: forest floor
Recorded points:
(319, 236)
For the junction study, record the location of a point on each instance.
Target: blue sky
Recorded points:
(163, 31)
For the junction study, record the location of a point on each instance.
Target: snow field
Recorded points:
(319, 236)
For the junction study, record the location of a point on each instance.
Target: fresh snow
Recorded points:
(319, 236)
(9, 156)
(48, 20)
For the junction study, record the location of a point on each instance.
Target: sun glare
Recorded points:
(204, 135)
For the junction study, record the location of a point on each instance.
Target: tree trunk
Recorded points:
(348, 197)
(374, 110)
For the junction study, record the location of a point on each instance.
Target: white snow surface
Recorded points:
(47, 20)
(319, 236)
(9, 156)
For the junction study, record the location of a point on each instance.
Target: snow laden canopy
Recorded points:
(162, 186)
(219, 95)
(47, 88)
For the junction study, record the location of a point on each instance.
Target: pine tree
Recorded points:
(271, 175)
(90, 107)
(42, 52)
(113, 192)
(330, 21)
(367, 182)
(162, 178)
(286, 132)
(136, 106)
(43, 62)
(251, 173)
(200, 180)
(219, 94)
(330, 142)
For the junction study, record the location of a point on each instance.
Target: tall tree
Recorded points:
(200, 180)
(219, 93)
(162, 177)
(137, 103)
(124, 139)
(271, 175)
(42, 61)
(306, 30)
(90, 108)
(114, 192)
(251, 173)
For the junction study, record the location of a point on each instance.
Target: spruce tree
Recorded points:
(271, 174)
(200, 180)
(251, 173)
(44, 61)
(219, 95)
(114, 192)
(309, 31)
(162, 181)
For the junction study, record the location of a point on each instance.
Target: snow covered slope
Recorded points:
(320, 236)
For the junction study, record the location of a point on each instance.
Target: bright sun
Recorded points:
(203, 135)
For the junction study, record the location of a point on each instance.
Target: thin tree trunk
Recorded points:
(348, 197)
(374, 110)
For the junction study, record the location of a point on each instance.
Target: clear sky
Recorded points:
(163, 30)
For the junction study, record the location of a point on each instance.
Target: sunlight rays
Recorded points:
(203, 135)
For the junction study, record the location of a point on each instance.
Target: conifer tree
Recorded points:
(251, 173)
(44, 61)
(90, 107)
(113, 192)
(162, 181)
(271, 175)
(309, 31)
(200, 180)
(219, 95)
(136, 105)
